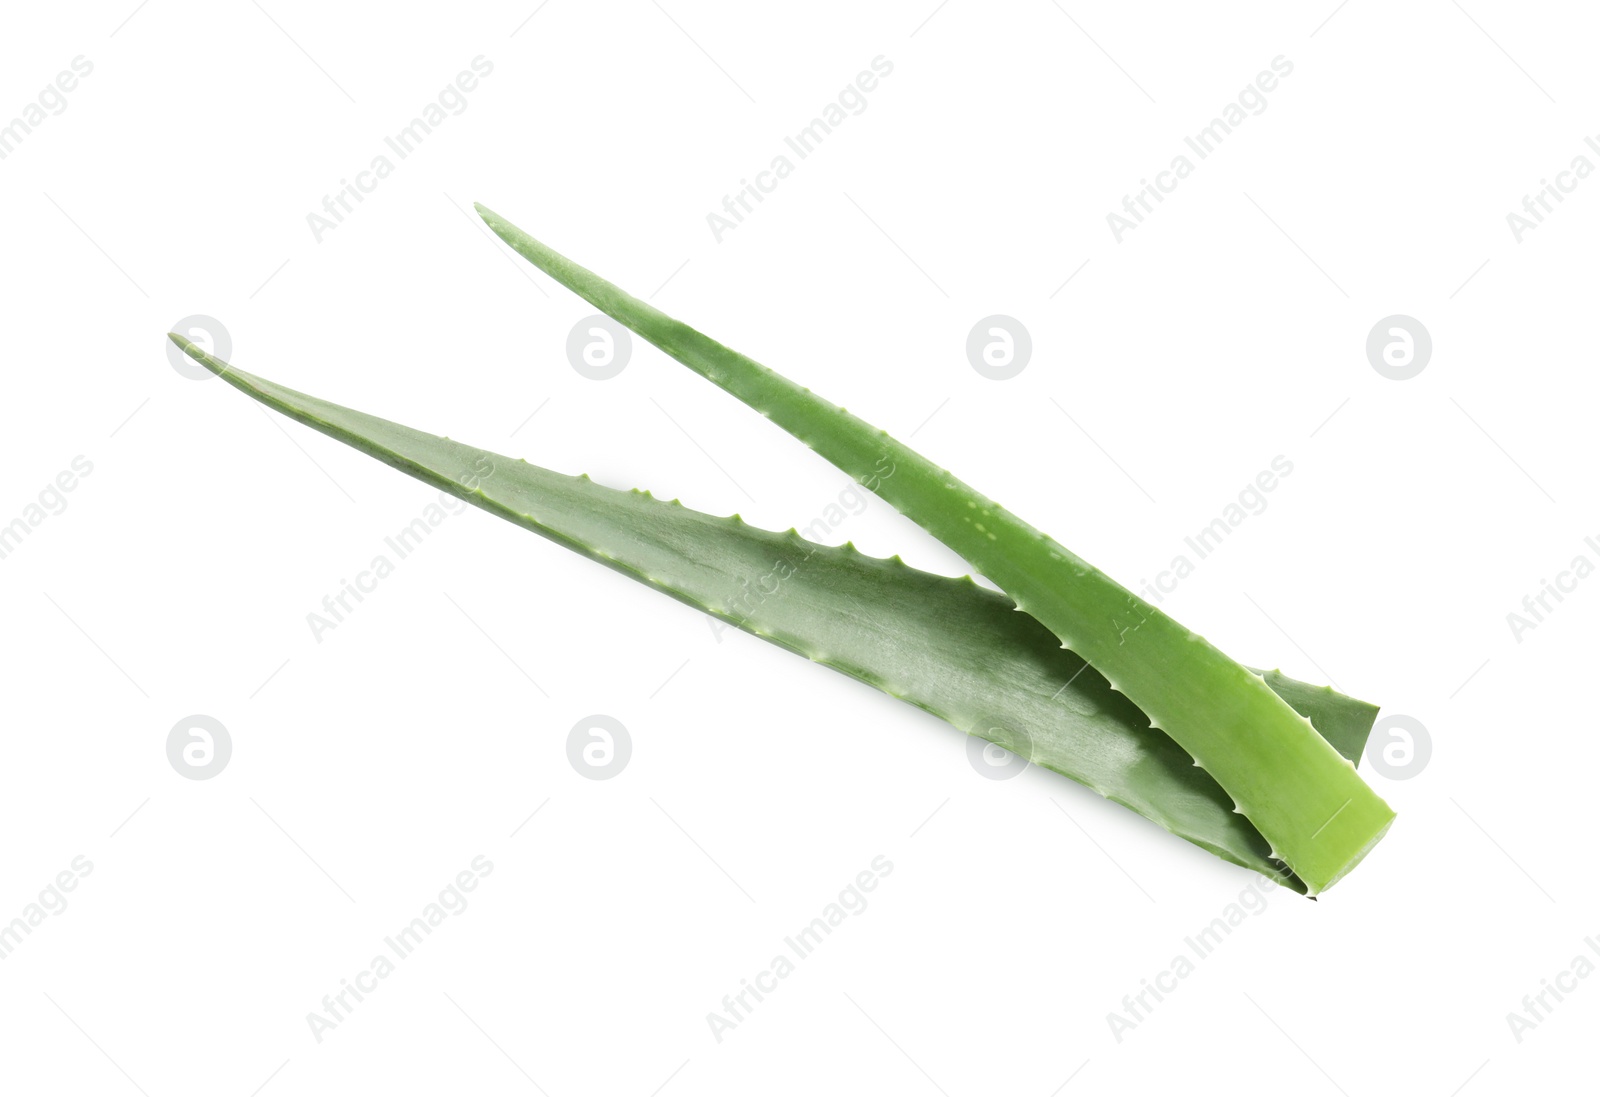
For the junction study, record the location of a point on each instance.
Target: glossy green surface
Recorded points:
(949, 646)
(1319, 816)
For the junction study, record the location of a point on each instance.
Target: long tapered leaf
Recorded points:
(1320, 817)
(949, 646)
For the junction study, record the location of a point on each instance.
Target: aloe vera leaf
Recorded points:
(1343, 721)
(948, 646)
(1319, 815)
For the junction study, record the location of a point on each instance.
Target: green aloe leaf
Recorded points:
(948, 646)
(1320, 817)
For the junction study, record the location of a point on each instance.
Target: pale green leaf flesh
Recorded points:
(949, 646)
(1318, 815)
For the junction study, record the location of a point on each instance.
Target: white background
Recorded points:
(368, 769)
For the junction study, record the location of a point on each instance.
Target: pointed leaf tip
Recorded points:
(197, 353)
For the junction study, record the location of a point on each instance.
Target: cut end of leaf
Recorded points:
(1376, 835)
